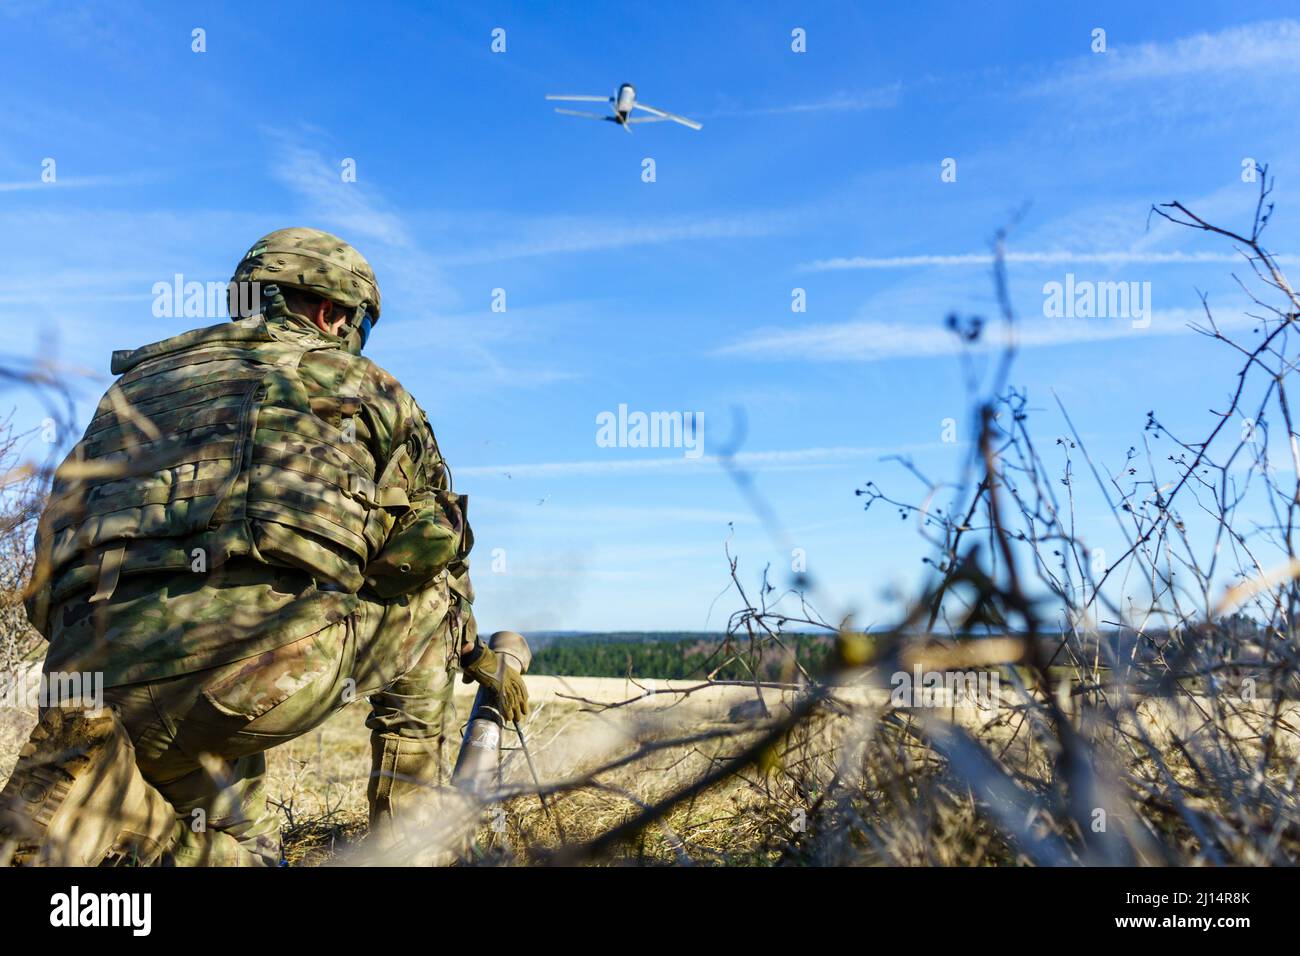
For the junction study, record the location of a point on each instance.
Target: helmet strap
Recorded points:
(358, 329)
(274, 305)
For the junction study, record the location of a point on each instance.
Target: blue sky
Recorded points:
(817, 170)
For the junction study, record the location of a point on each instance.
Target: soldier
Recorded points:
(256, 528)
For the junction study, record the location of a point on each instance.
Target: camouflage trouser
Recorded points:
(200, 738)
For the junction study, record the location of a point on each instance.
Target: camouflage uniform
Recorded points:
(257, 528)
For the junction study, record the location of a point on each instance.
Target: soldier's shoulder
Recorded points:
(372, 383)
(247, 331)
(381, 381)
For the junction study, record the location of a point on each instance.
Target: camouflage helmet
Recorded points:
(316, 262)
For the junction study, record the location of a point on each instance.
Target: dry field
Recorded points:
(854, 783)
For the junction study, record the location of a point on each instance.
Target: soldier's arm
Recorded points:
(431, 533)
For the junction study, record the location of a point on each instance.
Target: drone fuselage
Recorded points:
(624, 100)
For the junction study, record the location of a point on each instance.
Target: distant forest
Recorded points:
(669, 655)
(696, 654)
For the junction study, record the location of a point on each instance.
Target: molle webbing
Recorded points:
(174, 463)
(207, 436)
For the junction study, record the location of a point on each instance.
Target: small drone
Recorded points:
(624, 102)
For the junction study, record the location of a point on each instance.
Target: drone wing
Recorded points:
(648, 119)
(595, 116)
(663, 114)
(578, 98)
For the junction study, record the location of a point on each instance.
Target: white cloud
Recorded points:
(1266, 49)
(563, 234)
(601, 516)
(868, 341)
(74, 182)
(1117, 258)
(353, 208)
(843, 101)
(790, 460)
(359, 213)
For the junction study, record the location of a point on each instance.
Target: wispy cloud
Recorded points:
(790, 460)
(606, 516)
(76, 182)
(1058, 257)
(843, 101)
(80, 285)
(1265, 49)
(360, 213)
(353, 208)
(868, 341)
(561, 235)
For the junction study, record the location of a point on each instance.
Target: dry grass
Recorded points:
(859, 782)
(856, 786)
(319, 781)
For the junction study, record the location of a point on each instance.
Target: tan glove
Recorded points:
(484, 665)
